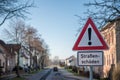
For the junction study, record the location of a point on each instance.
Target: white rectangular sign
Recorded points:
(86, 58)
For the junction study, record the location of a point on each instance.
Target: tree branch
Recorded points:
(4, 19)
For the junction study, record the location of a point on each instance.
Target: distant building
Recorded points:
(71, 61)
(62, 62)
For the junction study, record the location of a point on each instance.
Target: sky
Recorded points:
(55, 20)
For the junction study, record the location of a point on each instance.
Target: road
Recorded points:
(62, 74)
(55, 76)
(38, 75)
(49, 74)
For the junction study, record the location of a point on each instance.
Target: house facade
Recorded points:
(5, 57)
(12, 50)
(71, 61)
(34, 56)
(2, 58)
(24, 57)
(111, 34)
(8, 56)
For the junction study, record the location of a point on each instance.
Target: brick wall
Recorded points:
(118, 42)
(109, 33)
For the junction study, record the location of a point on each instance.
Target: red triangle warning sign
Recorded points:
(90, 38)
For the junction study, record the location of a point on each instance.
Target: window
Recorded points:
(8, 63)
(0, 62)
(112, 36)
(107, 59)
(104, 60)
(108, 38)
(3, 64)
(112, 59)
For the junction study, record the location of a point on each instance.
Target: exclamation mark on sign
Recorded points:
(89, 36)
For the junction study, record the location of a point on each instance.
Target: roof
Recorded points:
(10, 48)
(70, 57)
(2, 43)
(110, 23)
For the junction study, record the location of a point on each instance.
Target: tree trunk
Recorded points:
(42, 64)
(17, 70)
(6, 65)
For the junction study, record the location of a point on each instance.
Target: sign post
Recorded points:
(90, 58)
(91, 72)
(91, 44)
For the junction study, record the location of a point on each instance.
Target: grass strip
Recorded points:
(18, 78)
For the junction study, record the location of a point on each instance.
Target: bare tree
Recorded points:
(103, 11)
(27, 36)
(13, 8)
(19, 32)
(43, 49)
(56, 60)
(16, 33)
(30, 34)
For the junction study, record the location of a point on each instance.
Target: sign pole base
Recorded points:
(91, 73)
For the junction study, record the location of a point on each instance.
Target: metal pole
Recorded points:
(91, 72)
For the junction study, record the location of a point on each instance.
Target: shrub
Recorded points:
(104, 79)
(96, 75)
(74, 69)
(70, 67)
(15, 68)
(86, 73)
(116, 73)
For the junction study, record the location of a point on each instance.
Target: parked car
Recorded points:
(55, 69)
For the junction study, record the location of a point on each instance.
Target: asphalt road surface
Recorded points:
(60, 75)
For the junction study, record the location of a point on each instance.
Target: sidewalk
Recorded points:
(10, 76)
(5, 77)
(67, 74)
(28, 76)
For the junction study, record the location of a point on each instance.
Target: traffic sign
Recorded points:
(90, 58)
(90, 38)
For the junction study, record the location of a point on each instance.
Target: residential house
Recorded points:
(32, 56)
(24, 57)
(111, 34)
(8, 56)
(13, 50)
(71, 61)
(2, 56)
